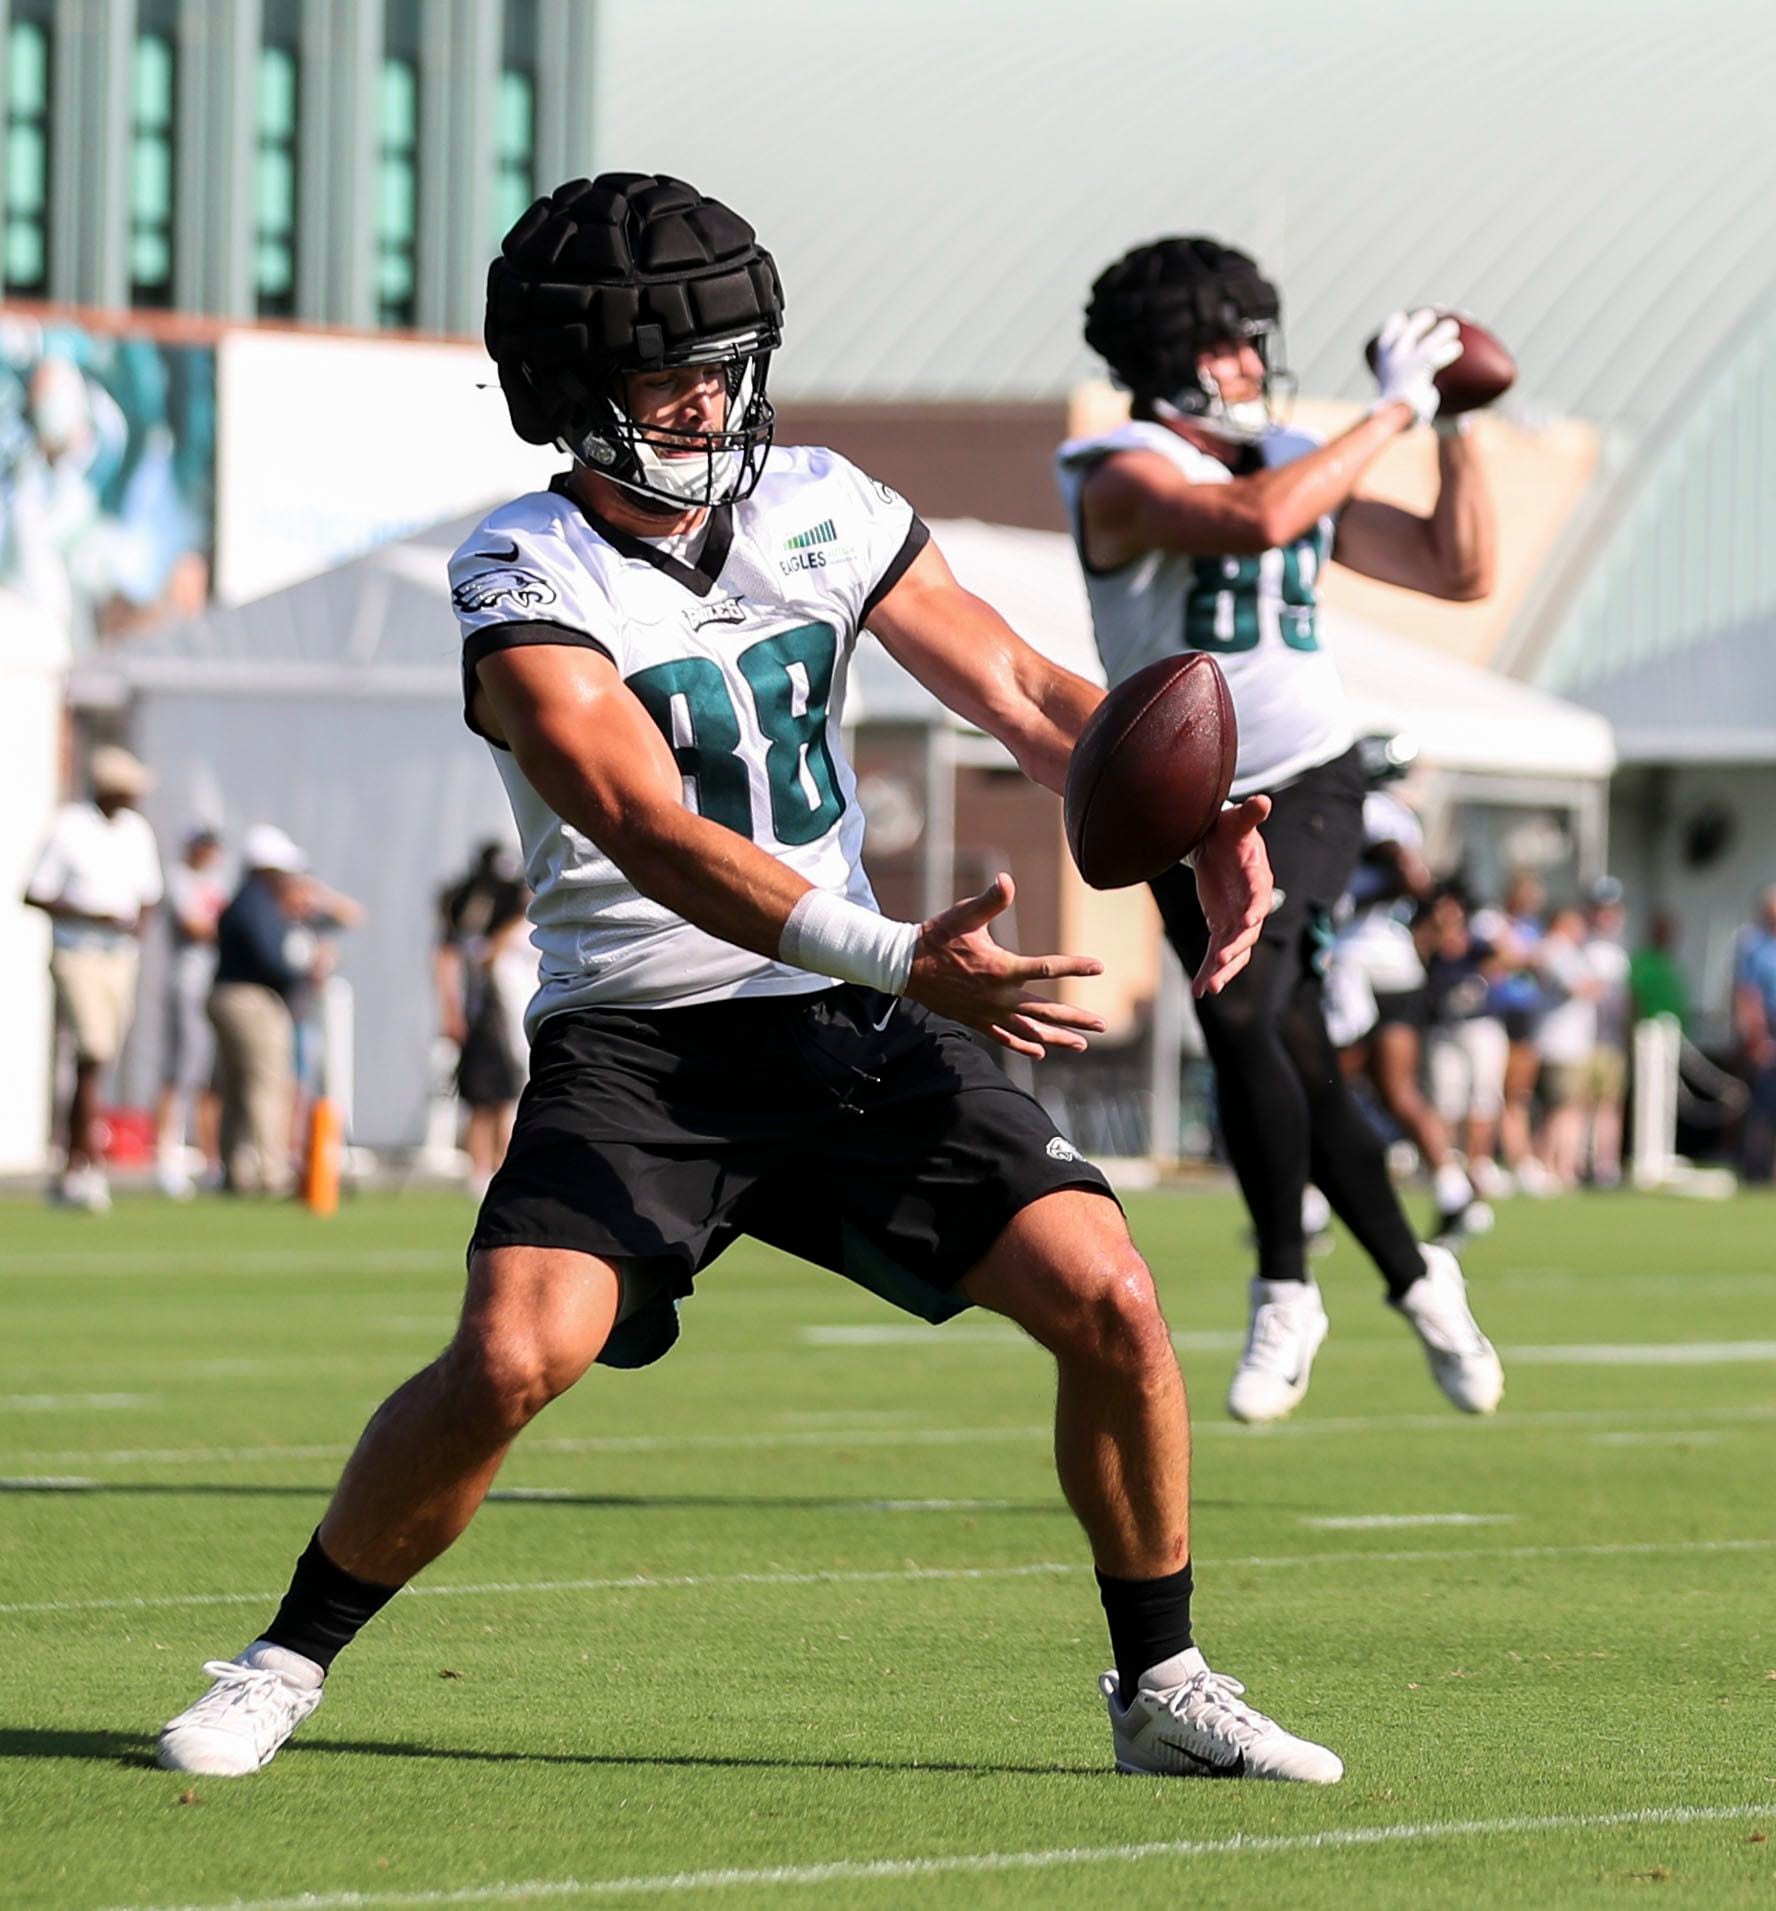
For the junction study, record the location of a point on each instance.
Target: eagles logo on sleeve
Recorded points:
(487, 590)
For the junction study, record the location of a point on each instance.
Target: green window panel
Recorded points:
(27, 69)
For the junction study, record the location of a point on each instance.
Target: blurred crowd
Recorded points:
(1497, 1031)
(252, 941)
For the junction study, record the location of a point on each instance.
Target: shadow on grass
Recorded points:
(134, 1751)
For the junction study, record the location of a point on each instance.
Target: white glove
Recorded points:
(1410, 350)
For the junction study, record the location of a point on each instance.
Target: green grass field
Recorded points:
(798, 1616)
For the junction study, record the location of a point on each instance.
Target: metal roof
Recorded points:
(941, 179)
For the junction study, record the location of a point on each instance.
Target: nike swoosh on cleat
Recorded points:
(886, 1013)
(1207, 1766)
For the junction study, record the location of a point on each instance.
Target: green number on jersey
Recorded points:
(794, 666)
(1221, 612)
(776, 670)
(711, 759)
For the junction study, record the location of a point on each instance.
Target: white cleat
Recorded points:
(1463, 1361)
(239, 1725)
(1202, 1728)
(1288, 1326)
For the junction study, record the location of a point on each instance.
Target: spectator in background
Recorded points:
(499, 977)
(468, 909)
(479, 921)
(1514, 934)
(195, 898)
(1606, 954)
(1656, 984)
(97, 879)
(1754, 1026)
(1466, 1046)
(320, 914)
(264, 955)
(1567, 1042)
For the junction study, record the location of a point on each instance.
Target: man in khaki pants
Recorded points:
(263, 955)
(97, 879)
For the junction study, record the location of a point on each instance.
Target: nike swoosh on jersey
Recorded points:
(498, 557)
(1207, 1766)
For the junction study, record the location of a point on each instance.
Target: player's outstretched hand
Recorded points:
(1234, 887)
(961, 972)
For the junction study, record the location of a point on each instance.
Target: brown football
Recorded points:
(1151, 771)
(1484, 371)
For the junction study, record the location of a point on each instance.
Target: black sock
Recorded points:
(1149, 1622)
(325, 1609)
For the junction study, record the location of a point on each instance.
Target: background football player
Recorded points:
(1203, 524)
(729, 1037)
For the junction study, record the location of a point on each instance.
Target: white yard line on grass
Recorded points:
(1676, 1353)
(1040, 1569)
(1681, 1437)
(888, 1870)
(257, 1260)
(880, 1436)
(74, 1402)
(1378, 1522)
(892, 1334)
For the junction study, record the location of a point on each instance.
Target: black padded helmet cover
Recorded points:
(628, 272)
(1158, 306)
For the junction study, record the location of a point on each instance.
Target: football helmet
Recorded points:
(1153, 313)
(633, 272)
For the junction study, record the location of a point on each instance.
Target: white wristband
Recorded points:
(830, 936)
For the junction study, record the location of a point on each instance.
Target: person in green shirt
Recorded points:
(1656, 982)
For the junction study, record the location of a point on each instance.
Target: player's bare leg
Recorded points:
(533, 1321)
(1066, 1271)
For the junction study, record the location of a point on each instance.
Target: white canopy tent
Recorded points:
(332, 708)
(1466, 719)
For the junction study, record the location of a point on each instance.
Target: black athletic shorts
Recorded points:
(1314, 834)
(853, 1129)
(1408, 1007)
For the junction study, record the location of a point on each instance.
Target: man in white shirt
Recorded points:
(97, 879)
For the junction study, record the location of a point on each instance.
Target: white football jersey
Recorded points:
(1254, 615)
(740, 655)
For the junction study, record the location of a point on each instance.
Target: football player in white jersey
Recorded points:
(1375, 978)
(1202, 524)
(729, 1038)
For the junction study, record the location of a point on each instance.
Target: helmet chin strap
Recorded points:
(1241, 423)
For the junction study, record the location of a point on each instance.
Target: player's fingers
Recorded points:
(1390, 330)
(1218, 969)
(974, 912)
(1060, 1014)
(1051, 968)
(1038, 1029)
(1249, 814)
(1019, 1045)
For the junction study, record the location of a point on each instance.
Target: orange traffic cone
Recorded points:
(320, 1177)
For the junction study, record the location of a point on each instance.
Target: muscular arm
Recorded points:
(596, 758)
(1137, 501)
(971, 660)
(1450, 554)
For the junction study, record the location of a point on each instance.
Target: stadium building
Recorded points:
(259, 232)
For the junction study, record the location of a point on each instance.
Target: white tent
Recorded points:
(1465, 719)
(333, 708)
